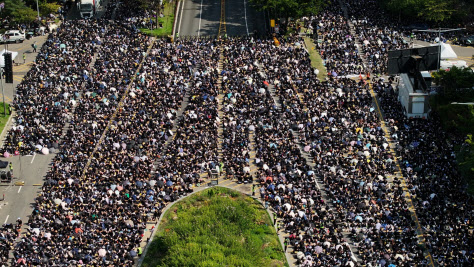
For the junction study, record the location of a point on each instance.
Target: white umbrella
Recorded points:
(116, 145)
(399, 256)
(261, 90)
(39, 147)
(246, 169)
(69, 181)
(152, 182)
(300, 255)
(102, 252)
(57, 201)
(45, 151)
(251, 128)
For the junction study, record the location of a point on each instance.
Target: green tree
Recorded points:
(457, 83)
(431, 10)
(18, 11)
(24, 15)
(48, 8)
(291, 8)
(437, 10)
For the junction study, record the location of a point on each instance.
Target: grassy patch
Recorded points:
(3, 119)
(216, 227)
(166, 21)
(316, 60)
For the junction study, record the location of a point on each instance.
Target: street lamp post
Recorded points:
(37, 9)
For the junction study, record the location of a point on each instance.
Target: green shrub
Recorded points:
(216, 227)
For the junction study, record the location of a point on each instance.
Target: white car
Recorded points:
(13, 36)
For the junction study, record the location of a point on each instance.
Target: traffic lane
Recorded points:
(210, 17)
(256, 20)
(244, 18)
(188, 19)
(19, 200)
(236, 18)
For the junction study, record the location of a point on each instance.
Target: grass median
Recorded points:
(216, 227)
(316, 60)
(166, 22)
(4, 118)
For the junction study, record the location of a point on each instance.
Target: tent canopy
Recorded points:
(447, 51)
(2, 60)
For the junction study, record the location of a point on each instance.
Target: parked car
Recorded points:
(466, 40)
(13, 36)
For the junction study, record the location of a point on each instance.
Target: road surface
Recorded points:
(203, 18)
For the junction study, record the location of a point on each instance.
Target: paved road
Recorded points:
(203, 18)
(19, 199)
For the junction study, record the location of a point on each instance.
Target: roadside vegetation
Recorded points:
(446, 11)
(457, 87)
(216, 227)
(315, 57)
(165, 23)
(25, 11)
(4, 118)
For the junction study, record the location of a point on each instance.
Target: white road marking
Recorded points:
(175, 21)
(181, 18)
(19, 189)
(6, 219)
(34, 155)
(245, 10)
(200, 15)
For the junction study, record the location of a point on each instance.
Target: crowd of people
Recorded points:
(135, 123)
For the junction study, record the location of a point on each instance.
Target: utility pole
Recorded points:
(37, 9)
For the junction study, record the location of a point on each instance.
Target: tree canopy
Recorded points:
(291, 8)
(432, 10)
(25, 11)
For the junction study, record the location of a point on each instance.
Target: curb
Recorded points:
(7, 127)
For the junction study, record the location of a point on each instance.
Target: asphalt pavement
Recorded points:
(203, 18)
(17, 197)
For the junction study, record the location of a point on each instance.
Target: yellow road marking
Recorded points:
(408, 197)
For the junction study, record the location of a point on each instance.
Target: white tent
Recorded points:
(447, 51)
(2, 60)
